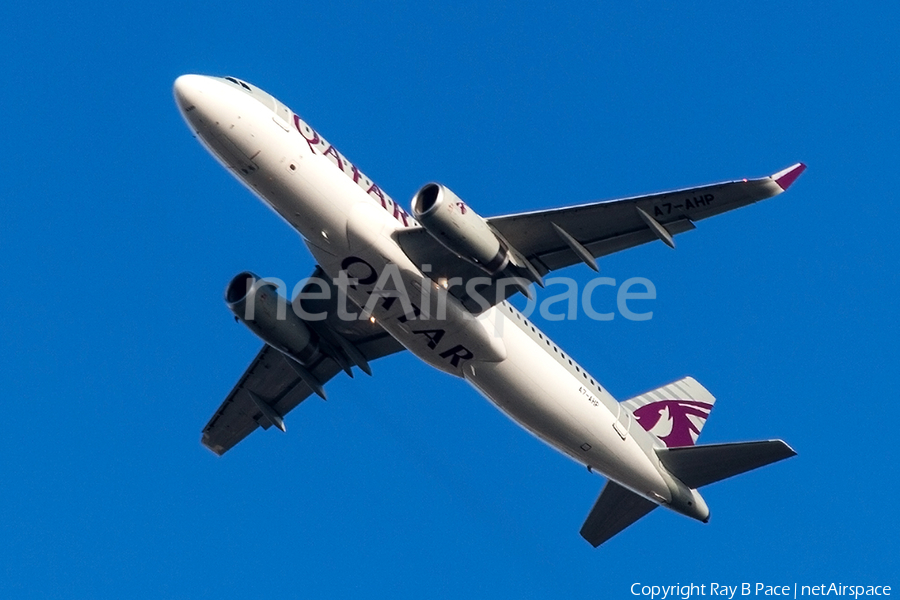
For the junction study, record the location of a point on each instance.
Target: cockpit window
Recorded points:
(239, 82)
(260, 96)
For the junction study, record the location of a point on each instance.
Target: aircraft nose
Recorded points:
(188, 90)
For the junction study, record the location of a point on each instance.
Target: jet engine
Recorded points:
(459, 228)
(257, 304)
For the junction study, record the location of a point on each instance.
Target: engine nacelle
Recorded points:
(459, 228)
(257, 304)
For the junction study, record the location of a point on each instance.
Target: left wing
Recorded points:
(271, 387)
(556, 238)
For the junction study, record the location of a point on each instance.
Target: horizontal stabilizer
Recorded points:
(697, 466)
(615, 509)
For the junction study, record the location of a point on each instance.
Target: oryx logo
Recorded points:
(675, 422)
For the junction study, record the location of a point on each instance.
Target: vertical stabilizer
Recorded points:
(675, 412)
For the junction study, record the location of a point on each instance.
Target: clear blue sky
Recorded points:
(118, 234)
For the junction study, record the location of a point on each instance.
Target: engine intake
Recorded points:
(459, 228)
(257, 304)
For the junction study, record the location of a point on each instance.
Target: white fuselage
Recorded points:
(347, 222)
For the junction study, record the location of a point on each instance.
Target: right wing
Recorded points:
(556, 238)
(271, 387)
(602, 228)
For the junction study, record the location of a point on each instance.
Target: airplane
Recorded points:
(436, 281)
